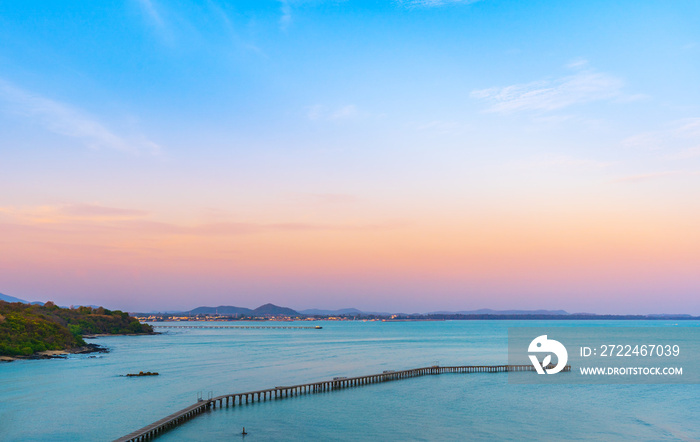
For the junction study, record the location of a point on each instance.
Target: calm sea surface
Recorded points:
(84, 398)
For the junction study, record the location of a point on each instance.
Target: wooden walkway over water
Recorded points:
(294, 327)
(276, 393)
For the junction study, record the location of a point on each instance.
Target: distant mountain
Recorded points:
(670, 315)
(263, 310)
(221, 310)
(8, 298)
(350, 312)
(274, 310)
(488, 311)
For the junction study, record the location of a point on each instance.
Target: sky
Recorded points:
(407, 155)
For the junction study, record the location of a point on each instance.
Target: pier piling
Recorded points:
(277, 393)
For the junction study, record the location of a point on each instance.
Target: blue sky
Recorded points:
(416, 117)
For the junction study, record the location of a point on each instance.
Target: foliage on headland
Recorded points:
(27, 329)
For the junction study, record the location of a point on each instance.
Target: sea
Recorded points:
(87, 398)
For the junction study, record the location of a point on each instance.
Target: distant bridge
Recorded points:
(230, 400)
(317, 327)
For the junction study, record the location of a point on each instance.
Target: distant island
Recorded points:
(262, 311)
(274, 312)
(33, 330)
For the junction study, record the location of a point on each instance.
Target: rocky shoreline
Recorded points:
(62, 354)
(102, 335)
(59, 354)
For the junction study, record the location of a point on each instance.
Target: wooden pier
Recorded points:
(293, 327)
(276, 393)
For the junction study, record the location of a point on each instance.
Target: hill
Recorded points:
(228, 310)
(27, 329)
(8, 298)
(274, 310)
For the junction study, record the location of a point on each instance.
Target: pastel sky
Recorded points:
(413, 155)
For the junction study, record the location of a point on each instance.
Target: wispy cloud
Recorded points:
(432, 3)
(331, 198)
(96, 218)
(566, 162)
(286, 18)
(98, 211)
(647, 176)
(165, 22)
(581, 87)
(231, 30)
(688, 128)
(578, 63)
(151, 12)
(70, 213)
(315, 112)
(63, 119)
(345, 112)
(682, 135)
(554, 118)
(685, 154)
(241, 228)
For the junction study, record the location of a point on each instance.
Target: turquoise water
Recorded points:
(83, 398)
